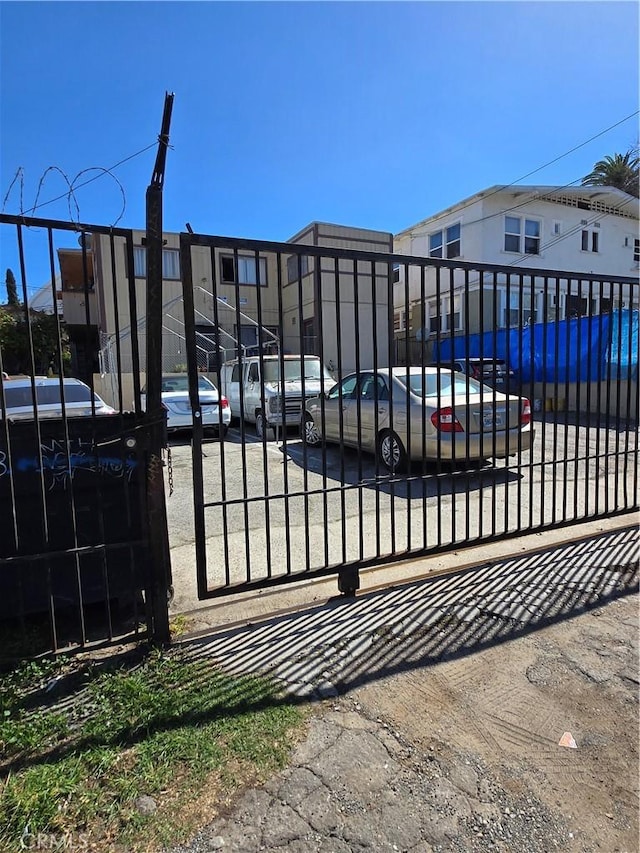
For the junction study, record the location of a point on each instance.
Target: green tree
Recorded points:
(621, 171)
(12, 290)
(14, 342)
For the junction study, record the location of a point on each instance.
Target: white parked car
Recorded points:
(16, 399)
(175, 398)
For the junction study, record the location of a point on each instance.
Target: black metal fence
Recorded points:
(74, 565)
(370, 448)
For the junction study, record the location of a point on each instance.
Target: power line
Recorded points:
(94, 178)
(503, 187)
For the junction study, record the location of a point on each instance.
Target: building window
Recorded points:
(248, 270)
(395, 273)
(590, 241)
(519, 311)
(445, 243)
(296, 263)
(400, 320)
(636, 250)
(309, 338)
(521, 235)
(170, 263)
(449, 319)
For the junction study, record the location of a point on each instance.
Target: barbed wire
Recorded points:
(73, 186)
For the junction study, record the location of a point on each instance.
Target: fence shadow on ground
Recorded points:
(346, 642)
(330, 649)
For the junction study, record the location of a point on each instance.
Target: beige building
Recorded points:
(242, 299)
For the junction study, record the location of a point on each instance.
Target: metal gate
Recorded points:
(493, 402)
(74, 461)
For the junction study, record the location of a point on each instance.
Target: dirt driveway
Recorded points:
(443, 704)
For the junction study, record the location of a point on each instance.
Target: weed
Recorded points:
(159, 726)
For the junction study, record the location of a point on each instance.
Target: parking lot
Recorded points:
(278, 507)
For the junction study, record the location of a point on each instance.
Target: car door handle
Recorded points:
(382, 410)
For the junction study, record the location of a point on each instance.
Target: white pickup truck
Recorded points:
(258, 393)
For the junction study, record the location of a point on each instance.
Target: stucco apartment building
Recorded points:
(588, 230)
(242, 298)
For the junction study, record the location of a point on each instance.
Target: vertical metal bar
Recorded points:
(265, 415)
(356, 311)
(494, 339)
(116, 316)
(160, 562)
(627, 380)
(223, 465)
(305, 466)
(634, 358)
(102, 555)
(590, 349)
(467, 498)
(44, 523)
(618, 391)
(408, 359)
(343, 520)
(567, 364)
(530, 460)
(579, 413)
(599, 378)
(423, 414)
(318, 300)
(242, 367)
(556, 357)
(545, 367)
(133, 325)
(390, 362)
(439, 399)
(186, 268)
(454, 478)
(519, 286)
(481, 489)
(518, 369)
(376, 420)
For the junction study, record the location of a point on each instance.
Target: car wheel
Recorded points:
(391, 452)
(311, 435)
(263, 430)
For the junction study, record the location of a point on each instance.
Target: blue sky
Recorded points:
(367, 114)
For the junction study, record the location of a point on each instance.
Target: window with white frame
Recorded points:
(522, 235)
(449, 317)
(248, 270)
(445, 243)
(519, 311)
(170, 263)
(400, 320)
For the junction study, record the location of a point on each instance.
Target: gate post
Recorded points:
(159, 556)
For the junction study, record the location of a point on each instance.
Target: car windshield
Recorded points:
(181, 383)
(313, 370)
(47, 395)
(426, 384)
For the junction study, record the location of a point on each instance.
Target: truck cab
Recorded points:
(269, 390)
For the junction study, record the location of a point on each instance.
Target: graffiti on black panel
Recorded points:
(59, 465)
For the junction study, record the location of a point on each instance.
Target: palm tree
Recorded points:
(619, 171)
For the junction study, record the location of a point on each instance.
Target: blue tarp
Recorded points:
(623, 352)
(581, 349)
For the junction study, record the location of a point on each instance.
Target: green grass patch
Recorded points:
(79, 743)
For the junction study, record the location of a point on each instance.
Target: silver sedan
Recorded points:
(415, 413)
